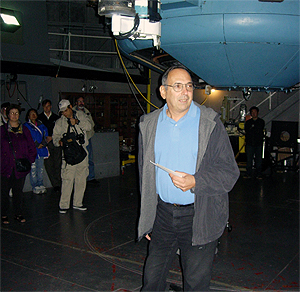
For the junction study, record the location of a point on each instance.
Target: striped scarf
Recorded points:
(12, 130)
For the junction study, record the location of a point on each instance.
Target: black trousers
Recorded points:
(172, 230)
(16, 184)
(53, 164)
(256, 153)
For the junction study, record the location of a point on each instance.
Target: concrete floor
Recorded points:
(96, 250)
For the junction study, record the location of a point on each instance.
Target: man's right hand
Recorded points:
(72, 121)
(148, 237)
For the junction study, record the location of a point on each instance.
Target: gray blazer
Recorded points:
(216, 174)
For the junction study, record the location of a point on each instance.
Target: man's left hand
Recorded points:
(185, 183)
(48, 139)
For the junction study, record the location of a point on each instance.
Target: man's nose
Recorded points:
(184, 88)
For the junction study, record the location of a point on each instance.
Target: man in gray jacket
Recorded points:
(185, 208)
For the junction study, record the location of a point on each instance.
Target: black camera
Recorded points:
(80, 138)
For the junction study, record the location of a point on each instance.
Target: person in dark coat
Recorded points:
(24, 147)
(254, 129)
(53, 163)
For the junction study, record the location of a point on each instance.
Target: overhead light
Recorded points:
(9, 19)
(9, 22)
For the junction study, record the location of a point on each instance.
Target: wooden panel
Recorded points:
(112, 112)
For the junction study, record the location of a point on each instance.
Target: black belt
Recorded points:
(175, 205)
(178, 205)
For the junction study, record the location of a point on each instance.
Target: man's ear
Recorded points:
(162, 91)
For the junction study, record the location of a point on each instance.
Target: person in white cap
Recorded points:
(72, 174)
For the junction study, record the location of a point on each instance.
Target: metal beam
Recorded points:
(281, 108)
(68, 72)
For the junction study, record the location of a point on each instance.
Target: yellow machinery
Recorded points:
(131, 159)
(242, 139)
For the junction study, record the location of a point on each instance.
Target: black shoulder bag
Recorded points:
(22, 164)
(74, 153)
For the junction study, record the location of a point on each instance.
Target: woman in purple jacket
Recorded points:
(24, 147)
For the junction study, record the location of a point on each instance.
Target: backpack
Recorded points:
(74, 153)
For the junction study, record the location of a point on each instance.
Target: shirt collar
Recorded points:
(48, 117)
(78, 109)
(192, 112)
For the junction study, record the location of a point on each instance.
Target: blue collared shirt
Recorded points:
(176, 147)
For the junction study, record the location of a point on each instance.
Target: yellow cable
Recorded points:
(149, 92)
(203, 102)
(133, 81)
(130, 76)
(237, 155)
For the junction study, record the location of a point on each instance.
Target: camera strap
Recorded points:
(73, 126)
(74, 129)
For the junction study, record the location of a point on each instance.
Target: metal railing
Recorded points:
(69, 50)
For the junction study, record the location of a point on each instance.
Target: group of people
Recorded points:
(184, 204)
(38, 140)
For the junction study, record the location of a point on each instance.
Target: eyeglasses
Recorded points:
(179, 86)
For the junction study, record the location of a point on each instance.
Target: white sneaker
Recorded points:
(10, 193)
(37, 190)
(81, 208)
(63, 211)
(43, 189)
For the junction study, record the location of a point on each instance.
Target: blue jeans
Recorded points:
(256, 153)
(89, 148)
(172, 230)
(37, 172)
